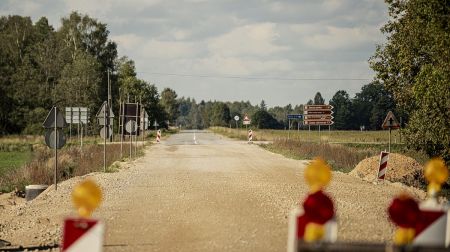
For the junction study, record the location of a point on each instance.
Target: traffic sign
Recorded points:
(236, 118)
(318, 107)
(101, 115)
(390, 121)
(319, 117)
(50, 136)
(318, 122)
(318, 112)
(76, 115)
(131, 126)
(49, 122)
(104, 132)
(295, 116)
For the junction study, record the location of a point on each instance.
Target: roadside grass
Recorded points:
(333, 136)
(71, 162)
(13, 160)
(26, 160)
(341, 158)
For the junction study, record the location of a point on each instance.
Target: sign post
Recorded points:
(390, 122)
(54, 136)
(104, 117)
(236, 118)
(293, 117)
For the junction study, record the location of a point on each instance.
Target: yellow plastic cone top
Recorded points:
(404, 236)
(317, 174)
(314, 232)
(436, 173)
(86, 197)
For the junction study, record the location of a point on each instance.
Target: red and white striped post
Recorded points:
(384, 157)
(250, 136)
(158, 136)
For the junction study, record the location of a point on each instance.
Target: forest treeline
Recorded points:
(68, 67)
(367, 109)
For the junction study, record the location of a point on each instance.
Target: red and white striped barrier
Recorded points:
(250, 135)
(384, 157)
(294, 234)
(433, 227)
(80, 235)
(158, 136)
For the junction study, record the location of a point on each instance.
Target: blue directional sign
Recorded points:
(295, 116)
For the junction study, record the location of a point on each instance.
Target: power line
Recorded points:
(255, 78)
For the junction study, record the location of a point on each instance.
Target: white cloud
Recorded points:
(254, 40)
(338, 38)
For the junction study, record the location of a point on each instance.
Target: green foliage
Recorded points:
(170, 104)
(264, 120)
(318, 99)
(342, 110)
(413, 64)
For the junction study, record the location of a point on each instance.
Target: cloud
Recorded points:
(335, 38)
(253, 39)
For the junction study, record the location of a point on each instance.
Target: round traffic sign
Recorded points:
(236, 118)
(50, 136)
(131, 126)
(103, 132)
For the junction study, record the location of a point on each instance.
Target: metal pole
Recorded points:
(118, 129)
(56, 154)
(137, 130)
(81, 137)
(106, 136)
(389, 139)
(289, 129)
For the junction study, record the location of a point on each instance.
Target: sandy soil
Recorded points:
(217, 194)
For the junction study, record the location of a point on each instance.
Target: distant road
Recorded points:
(216, 195)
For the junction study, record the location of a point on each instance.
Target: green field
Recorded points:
(12, 160)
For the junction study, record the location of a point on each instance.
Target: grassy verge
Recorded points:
(12, 160)
(26, 160)
(341, 158)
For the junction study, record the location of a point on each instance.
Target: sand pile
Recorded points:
(400, 169)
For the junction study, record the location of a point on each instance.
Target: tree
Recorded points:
(413, 61)
(318, 99)
(264, 120)
(342, 110)
(263, 105)
(220, 114)
(169, 103)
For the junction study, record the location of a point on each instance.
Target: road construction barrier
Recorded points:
(427, 223)
(250, 136)
(158, 136)
(84, 234)
(384, 157)
(316, 221)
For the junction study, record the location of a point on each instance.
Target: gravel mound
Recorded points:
(400, 168)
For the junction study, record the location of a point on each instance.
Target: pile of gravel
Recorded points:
(400, 168)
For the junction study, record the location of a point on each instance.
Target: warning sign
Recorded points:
(390, 121)
(82, 235)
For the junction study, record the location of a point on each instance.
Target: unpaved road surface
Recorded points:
(216, 195)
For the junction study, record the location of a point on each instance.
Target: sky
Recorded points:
(278, 51)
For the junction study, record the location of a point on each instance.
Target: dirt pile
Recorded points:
(400, 169)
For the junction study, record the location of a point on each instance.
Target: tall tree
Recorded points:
(170, 104)
(342, 110)
(413, 61)
(318, 99)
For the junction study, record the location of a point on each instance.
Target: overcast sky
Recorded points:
(236, 50)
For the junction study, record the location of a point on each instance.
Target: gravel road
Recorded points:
(215, 195)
